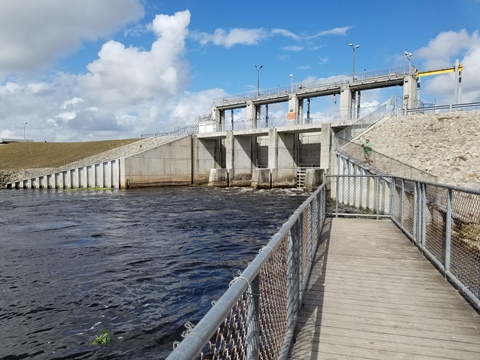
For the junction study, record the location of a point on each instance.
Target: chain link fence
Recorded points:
(256, 316)
(443, 221)
(383, 163)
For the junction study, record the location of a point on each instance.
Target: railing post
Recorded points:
(253, 327)
(393, 190)
(416, 211)
(299, 260)
(292, 274)
(336, 198)
(424, 214)
(448, 230)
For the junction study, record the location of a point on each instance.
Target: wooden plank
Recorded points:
(373, 295)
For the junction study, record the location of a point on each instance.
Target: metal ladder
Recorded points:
(301, 174)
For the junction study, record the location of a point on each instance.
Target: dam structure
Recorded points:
(293, 152)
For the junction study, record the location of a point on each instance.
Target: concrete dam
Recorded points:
(260, 158)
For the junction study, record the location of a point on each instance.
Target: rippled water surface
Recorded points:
(137, 263)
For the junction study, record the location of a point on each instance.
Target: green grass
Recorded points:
(29, 155)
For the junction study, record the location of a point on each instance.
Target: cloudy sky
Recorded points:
(111, 69)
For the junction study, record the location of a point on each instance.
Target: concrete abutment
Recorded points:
(260, 160)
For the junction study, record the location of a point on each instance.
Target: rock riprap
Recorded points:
(446, 145)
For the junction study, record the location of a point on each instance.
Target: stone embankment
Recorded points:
(446, 145)
(124, 151)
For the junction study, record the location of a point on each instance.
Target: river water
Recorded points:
(137, 263)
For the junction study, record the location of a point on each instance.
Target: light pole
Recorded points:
(24, 130)
(354, 48)
(291, 83)
(258, 78)
(409, 58)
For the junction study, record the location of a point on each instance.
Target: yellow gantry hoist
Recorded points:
(438, 72)
(457, 69)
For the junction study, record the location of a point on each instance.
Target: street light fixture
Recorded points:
(24, 130)
(409, 58)
(291, 83)
(258, 78)
(354, 48)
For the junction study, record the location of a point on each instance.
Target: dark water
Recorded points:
(137, 263)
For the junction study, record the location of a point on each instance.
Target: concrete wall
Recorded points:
(241, 166)
(262, 151)
(282, 158)
(169, 164)
(100, 175)
(208, 154)
(310, 149)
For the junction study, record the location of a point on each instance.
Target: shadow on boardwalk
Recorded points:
(372, 295)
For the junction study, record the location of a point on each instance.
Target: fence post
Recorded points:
(448, 231)
(299, 260)
(336, 198)
(416, 211)
(292, 274)
(424, 214)
(253, 327)
(402, 199)
(392, 196)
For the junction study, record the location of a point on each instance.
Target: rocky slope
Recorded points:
(446, 145)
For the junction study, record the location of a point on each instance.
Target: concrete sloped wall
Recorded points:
(168, 164)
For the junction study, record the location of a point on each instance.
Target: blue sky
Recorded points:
(109, 69)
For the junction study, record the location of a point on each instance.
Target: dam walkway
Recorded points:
(368, 267)
(373, 295)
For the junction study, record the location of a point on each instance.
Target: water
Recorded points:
(137, 263)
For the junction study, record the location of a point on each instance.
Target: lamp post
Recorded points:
(291, 83)
(258, 78)
(354, 48)
(409, 58)
(24, 130)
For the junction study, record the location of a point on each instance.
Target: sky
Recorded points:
(114, 69)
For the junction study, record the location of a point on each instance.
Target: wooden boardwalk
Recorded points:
(372, 295)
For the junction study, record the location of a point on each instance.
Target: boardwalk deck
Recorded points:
(372, 295)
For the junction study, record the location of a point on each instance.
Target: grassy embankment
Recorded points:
(30, 155)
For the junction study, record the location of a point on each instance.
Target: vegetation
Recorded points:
(28, 155)
(102, 339)
(470, 234)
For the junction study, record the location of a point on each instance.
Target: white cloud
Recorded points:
(294, 48)
(222, 37)
(285, 33)
(442, 52)
(35, 33)
(335, 31)
(126, 92)
(130, 76)
(71, 102)
(230, 38)
(439, 51)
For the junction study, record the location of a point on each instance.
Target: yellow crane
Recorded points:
(457, 69)
(439, 71)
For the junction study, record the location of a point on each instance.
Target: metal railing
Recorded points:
(389, 108)
(255, 318)
(444, 108)
(381, 163)
(442, 220)
(370, 76)
(182, 131)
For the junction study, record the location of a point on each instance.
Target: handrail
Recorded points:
(333, 81)
(449, 107)
(251, 294)
(443, 221)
